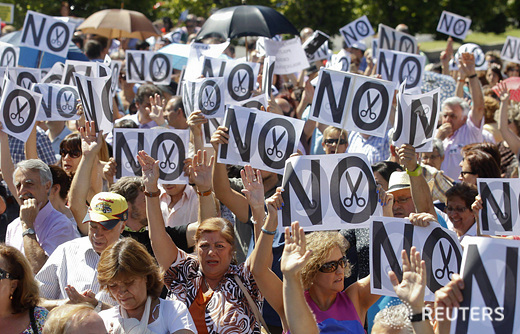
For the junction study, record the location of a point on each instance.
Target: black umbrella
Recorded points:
(246, 20)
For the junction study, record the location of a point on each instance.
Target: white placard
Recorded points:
(9, 55)
(46, 34)
(480, 57)
(340, 61)
(206, 95)
(168, 146)
(356, 30)
(59, 102)
(261, 139)
(148, 66)
(328, 192)
(86, 68)
(439, 248)
(25, 77)
(511, 50)
(290, 57)
(197, 52)
(400, 66)
(55, 74)
(391, 39)
(352, 102)
(453, 25)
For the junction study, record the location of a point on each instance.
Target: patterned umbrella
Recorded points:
(432, 80)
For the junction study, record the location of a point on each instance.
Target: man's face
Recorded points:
(141, 107)
(334, 143)
(403, 203)
(137, 210)
(101, 238)
(174, 189)
(28, 185)
(453, 115)
(174, 117)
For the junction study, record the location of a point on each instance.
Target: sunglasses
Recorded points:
(332, 141)
(332, 266)
(463, 173)
(72, 154)
(458, 210)
(4, 274)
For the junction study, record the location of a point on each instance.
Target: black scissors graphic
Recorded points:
(425, 110)
(67, 106)
(167, 155)
(239, 88)
(208, 101)
(158, 70)
(131, 165)
(18, 114)
(57, 41)
(368, 111)
(349, 201)
(274, 150)
(410, 76)
(439, 273)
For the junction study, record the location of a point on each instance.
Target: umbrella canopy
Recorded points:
(119, 23)
(246, 20)
(29, 57)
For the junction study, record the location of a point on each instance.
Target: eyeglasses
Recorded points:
(331, 266)
(430, 157)
(332, 141)
(402, 200)
(461, 209)
(4, 274)
(72, 153)
(463, 173)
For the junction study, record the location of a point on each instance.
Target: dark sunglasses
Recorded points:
(331, 266)
(463, 173)
(4, 274)
(72, 154)
(332, 141)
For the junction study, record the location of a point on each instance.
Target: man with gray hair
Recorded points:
(461, 125)
(40, 228)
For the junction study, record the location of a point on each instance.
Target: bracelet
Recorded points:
(415, 172)
(206, 193)
(154, 194)
(28, 231)
(472, 76)
(268, 232)
(462, 80)
(417, 317)
(99, 306)
(254, 222)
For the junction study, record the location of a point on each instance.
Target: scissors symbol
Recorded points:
(19, 111)
(368, 111)
(439, 273)
(208, 99)
(131, 165)
(167, 155)
(239, 88)
(349, 201)
(274, 150)
(410, 76)
(158, 70)
(422, 111)
(67, 106)
(57, 40)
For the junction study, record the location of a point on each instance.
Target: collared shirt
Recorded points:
(55, 143)
(469, 133)
(43, 148)
(185, 211)
(52, 229)
(72, 263)
(228, 310)
(471, 232)
(376, 148)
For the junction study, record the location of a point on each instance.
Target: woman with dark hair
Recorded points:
(61, 182)
(461, 219)
(478, 164)
(494, 74)
(382, 171)
(19, 294)
(131, 276)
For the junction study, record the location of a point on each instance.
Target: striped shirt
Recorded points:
(376, 148)
(73, 263)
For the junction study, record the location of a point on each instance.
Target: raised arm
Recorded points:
(510, 137)
(254, 192)
(446, 56)
(6, 163)
(200, 173)
(195, 121)
(446, 298)
(90, 147)
(30, 145)
(467, 66)
(163, 246)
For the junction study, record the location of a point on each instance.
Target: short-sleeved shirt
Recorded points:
(228, 310)
(184, 212)
(376, 148)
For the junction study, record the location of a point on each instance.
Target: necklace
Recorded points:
(154, 309)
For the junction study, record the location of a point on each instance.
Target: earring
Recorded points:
(11, 297)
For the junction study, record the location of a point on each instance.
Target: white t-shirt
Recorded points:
(173, 316)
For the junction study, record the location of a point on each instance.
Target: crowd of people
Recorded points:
(85, 253)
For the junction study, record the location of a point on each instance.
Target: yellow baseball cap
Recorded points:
(107, 209)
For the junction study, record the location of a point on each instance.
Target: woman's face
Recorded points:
(331, 282)
(381, 180)
(466, 173)
(215, 254)
(129, 292)
(7, 286)
(491, 77)
(433, 159)
(459, 214)
(513, 72)
(70, 159)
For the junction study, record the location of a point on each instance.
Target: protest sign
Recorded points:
(340, 61)
(19, 107)
(115, 68)
(46, 34)
(206, 95)
(55, 74)
(148, 66)
(356, 30)
(391, 39)
(491, 295)
(322, 53)
(416, 120)
(59, 102)
(96, 100)
(453, 25)
(7, 12)
(511, 50)
(263, 140)
(480, 57)
(439, 248)
(328, 192)
(352, 102)
(398, 66)
(500, 206)
(197, 52)
(24, 77)
(267, 76)
(289, 54)
(168, 146)
(9, 55)
(316, 47)
(86, 68)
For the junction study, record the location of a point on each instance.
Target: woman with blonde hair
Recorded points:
(74, 319)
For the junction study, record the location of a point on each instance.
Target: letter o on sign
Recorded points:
(356, 106)
(30, 118)
(52, 40)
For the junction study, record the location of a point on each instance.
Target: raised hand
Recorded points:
(503, 92)
(422, 219)
(467, 64)
(195, 121)
(150, 170)
(408, 157)
(157, 109)
(200, 171)
(253, 186)
(90, 142)
(295, 254)
(220, 136)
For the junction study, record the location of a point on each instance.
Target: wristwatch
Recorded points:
(98, 306)
(28, 231)
(154, 194)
